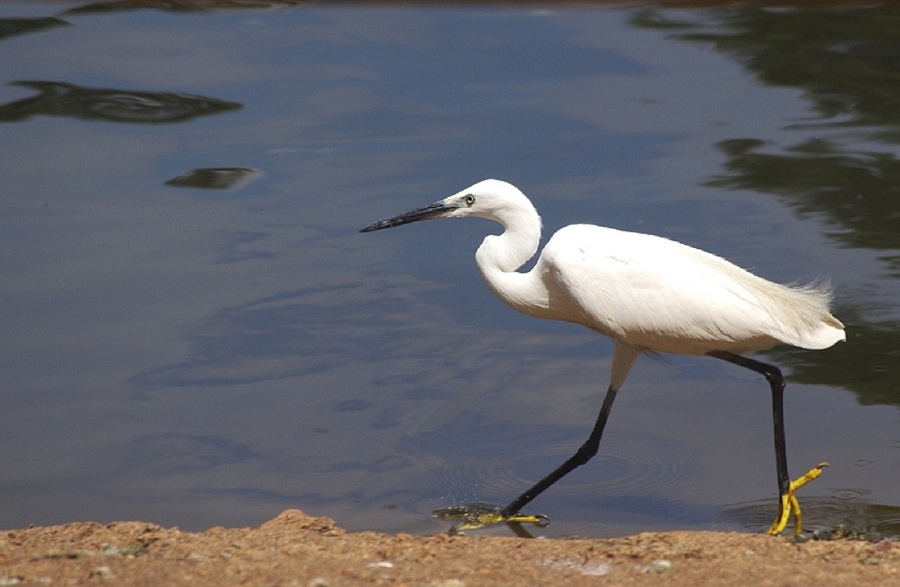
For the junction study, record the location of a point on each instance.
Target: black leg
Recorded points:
(622, 362)
(776, 382)
(584, 454)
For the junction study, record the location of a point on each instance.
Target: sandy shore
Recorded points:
(297, 549)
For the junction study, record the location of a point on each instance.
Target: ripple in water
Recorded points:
(843, 508)
(630, 473)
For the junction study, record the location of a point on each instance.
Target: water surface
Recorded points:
(196, 334)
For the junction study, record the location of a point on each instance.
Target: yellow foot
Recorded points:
(472, 516)
(790, 505)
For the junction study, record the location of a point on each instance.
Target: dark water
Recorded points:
(195, 334)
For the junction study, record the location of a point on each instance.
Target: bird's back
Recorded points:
(656, 294)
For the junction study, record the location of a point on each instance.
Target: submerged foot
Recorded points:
(474, 515)
(790, 505)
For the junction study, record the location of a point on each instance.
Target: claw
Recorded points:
(472, 516)
(789, 503)
(539, 520)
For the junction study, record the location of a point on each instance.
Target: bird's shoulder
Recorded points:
(591, 245)
(632, 263)
(650, 291)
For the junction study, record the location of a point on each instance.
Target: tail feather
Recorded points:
(804, 315)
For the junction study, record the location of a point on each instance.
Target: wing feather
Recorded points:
(656, 294)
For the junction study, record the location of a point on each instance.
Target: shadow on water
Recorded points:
(843, 169)
(184, 6)
(64, 99)
(10, 27)
(215, 178)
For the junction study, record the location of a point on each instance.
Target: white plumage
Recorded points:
(647, 293)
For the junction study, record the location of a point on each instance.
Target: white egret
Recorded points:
(649, 294)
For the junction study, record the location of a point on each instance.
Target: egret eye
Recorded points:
(469, 200)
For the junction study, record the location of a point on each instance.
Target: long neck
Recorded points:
(499, 256)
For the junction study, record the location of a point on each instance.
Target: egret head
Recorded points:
(491, 198)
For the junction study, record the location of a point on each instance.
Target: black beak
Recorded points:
(436, 210)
